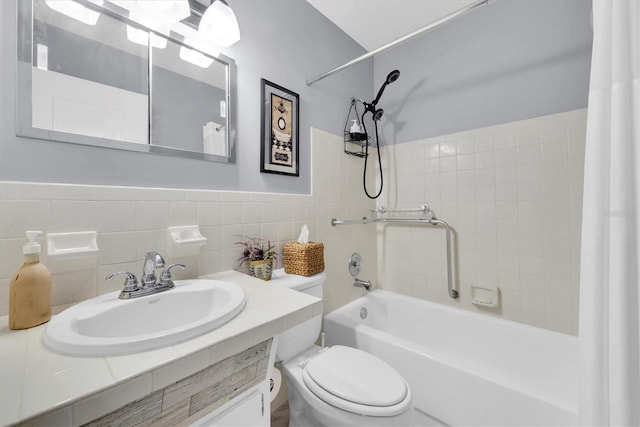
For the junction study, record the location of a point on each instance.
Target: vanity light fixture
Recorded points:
(195, 57)
(219, 24)
(75, 10)
(142, 37)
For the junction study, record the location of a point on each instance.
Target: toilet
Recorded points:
(338, 385)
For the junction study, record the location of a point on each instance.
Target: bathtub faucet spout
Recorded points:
(366, 284)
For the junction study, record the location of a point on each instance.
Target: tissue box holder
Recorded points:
(303, 259)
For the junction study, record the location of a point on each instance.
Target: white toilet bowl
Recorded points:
(343, 386)
(336, 386)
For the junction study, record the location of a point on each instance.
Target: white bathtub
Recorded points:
(465, 368)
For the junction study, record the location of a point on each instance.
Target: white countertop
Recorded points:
(34, 380)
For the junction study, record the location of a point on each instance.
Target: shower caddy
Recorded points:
(351, 139)
(378, 216)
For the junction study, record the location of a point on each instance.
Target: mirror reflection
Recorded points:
(96, 77)
(88, 79)
(189, 100)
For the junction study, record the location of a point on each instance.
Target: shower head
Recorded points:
(391, 77)
(377, 115)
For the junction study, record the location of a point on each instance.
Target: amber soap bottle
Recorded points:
(30, 289)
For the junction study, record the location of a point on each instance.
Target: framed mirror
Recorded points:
(94, 76)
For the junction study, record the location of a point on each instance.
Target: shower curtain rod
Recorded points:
(431, 26)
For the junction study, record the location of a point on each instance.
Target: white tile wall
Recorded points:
(132, 221)
(513, 194)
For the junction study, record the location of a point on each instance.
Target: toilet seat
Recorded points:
(357, 382)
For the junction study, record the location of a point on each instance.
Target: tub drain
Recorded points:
(363, 313)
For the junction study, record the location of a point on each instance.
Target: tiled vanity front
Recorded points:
(197, 395)
(186, 380)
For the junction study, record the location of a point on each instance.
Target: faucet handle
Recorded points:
(130, 285)
(165, 277)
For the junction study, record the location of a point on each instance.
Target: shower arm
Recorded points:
(453, 293)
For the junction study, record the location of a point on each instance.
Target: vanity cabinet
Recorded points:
(249, 409)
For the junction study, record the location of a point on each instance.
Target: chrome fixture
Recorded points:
(152, 261)
(366, 284)
(150, 283)
(453, 293)
(355, 262)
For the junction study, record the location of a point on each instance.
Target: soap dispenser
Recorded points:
(30, 289)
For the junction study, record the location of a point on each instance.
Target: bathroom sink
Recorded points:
(107, 325)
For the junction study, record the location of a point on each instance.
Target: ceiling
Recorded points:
(374, 23)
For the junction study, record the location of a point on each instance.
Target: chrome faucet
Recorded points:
(149, 282)
(366, 284)
(152, 261)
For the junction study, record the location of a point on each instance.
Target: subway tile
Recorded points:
(251, 213)
(506, 157)
(448, 164)
(183, 213)
(232, 213)
(68, 216)
(555, 171)
(505, 139)
(116, 216)
(18, 216)
(485, 176)
(554, 152)
(37, 191)
(506, 191)
(432, 151)
(554, 131)
(529, 154)
(465, 178)
(209, 213)
(485, 159)
(528, 135)
(506, 174)
(116, 247)
(465, 146)
(485, 143)
(530, 172)
(448, 149)
(8, 190)
(152, 215)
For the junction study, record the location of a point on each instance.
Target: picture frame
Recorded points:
(280, 134)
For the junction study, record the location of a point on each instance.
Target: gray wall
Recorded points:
(507, 61)
(284, 41)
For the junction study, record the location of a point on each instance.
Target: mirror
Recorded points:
(100, 78)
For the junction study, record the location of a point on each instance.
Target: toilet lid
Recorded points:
(356, 376)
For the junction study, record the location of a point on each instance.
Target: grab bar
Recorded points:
(453, 293)
(382, 210)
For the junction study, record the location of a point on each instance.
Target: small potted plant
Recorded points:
(260, 254)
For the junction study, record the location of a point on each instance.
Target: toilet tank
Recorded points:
(305, 334)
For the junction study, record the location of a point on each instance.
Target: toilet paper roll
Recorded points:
(275, 383)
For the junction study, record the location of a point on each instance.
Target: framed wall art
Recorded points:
(280, 140)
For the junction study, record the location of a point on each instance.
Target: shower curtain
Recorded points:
(609, 273)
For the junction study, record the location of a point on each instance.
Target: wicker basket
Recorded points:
(303, 259)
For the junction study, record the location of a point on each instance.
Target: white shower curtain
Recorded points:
(609, 290)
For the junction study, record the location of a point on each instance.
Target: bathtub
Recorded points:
(465, 368)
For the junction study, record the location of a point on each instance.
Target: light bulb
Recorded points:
(219, 25)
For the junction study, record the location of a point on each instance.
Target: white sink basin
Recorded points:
(107, 325)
